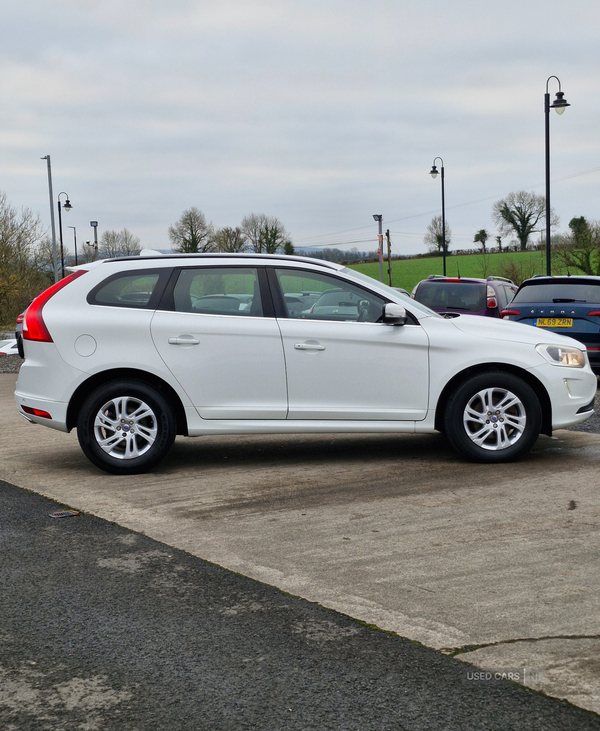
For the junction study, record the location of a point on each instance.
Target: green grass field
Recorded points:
(513, 265)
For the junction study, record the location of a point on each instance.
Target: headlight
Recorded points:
(563, 355)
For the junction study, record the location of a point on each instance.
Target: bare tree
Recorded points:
(22, 272)
(230, 240)
(265, 234)
(252, 226)
(191, 234)
(434, 238)
(114, 244)
(519, 213)
(517, 270)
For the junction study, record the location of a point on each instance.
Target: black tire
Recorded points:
(493, 417)
(126, 427)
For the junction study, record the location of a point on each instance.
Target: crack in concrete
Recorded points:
(454, 651)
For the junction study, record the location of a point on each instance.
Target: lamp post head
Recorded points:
(67, 206)
(560, 103)
(378, 217)
(434, 172)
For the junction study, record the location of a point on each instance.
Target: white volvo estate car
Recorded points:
(133, 351)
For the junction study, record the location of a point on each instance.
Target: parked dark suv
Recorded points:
(566, 305)
(487, 297)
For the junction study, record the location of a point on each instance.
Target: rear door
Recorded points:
(220, 339)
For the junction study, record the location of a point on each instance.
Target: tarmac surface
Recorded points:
(106, 630)
(497, 566)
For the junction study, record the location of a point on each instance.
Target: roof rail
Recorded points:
(228, 255)
(436, 276)
(493, 278)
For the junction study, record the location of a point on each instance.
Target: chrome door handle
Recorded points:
(309, 346)
(183, 341)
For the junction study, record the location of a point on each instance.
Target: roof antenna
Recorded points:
(457, 270)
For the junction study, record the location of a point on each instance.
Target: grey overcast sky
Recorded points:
(319, 112)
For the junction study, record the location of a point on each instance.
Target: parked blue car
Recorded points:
(566, 305)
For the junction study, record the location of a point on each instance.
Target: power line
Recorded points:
(429, 213)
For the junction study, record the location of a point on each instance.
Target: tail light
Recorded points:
(34, 327)
(492, 302)
(507, 313)
(594, 313)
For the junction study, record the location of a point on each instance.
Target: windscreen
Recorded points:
(559, 292)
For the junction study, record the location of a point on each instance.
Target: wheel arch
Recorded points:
(114, 374)
(524, 375)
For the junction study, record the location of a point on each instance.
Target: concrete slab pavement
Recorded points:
(497, 565)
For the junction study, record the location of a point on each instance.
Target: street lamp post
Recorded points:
(54, 255)
(67, 206)
(74, 242)
(379, 217)
(560, 104)
(434, 174)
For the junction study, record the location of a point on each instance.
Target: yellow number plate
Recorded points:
(554, 322)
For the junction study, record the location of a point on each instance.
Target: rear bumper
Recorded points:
(56, 409)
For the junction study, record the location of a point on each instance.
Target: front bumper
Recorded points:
(571, 395)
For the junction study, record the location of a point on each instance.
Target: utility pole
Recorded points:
(379, 218)
(54, 252)
(389, 256)
(74, 241)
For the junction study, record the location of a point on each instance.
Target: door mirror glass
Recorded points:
(394, 314)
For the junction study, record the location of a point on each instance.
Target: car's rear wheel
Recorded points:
(493, 417)
(126, 427)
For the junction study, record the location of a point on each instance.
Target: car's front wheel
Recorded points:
(126, 427)
(493, 417)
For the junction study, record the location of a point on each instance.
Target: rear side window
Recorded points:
(464, 296)
(218, 291)
(559, 292)
(140, 289)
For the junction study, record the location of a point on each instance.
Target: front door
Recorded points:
(343, 364)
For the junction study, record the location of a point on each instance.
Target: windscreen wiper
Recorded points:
(567, 299)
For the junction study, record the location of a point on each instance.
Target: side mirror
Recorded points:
(394, 314)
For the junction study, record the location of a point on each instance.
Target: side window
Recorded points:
(313, 296)
(218, 291)
(130, 289)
